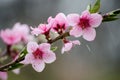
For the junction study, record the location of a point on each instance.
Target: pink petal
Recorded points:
(76, 31)
(29, 58)
(67, 47)
(76, 42)
(73, 19)
(44, 46)
(10, 37)
(31, 47)
(38, 65)
(85, 14)
(22, 30)
(44, 27)
(49, 57)
(49, 19)
(95, 20)
(36, 31)
(89, 34)
(61, 18)
(3, 76)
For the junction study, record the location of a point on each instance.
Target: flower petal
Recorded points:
(49, 57)
(76, 31)
(38, 65)
(61, 18)
(95, 20)
(28, 59)
(73, 19)
(89, 34)
(67, 47)
(44, 46)
(3, 76)
(31, 47)
(85, 14)
(49, 19)
(76, 42)
(36, 31)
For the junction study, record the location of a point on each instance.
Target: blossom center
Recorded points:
(84, 23)
(59, 28)
(38, 53)
(11, 38)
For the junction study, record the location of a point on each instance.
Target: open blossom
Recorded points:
(38, 55)
(84, 24)
(22, 30)
(41, 29)
(3, 76)
(19, 32)
(10, 36)
(69, 44)
(59, 23)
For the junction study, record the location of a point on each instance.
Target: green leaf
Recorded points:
(15, 66)
(109, 19)
(111, 16)
(95, 7)
(114, 13)
(54, 48)
(24, 52)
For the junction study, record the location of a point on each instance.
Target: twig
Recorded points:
(5, 67)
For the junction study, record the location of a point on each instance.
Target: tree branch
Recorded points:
(5, 68)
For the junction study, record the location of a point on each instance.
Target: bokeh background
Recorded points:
(96, 60)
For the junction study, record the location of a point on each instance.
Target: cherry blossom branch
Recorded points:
(5, 68)
(106, 17)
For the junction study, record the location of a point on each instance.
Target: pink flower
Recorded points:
(3, 76)
(10, 36)
(69, 44)
(41, 29)
(84, 24)
(59, 23)
(38, 55)
(22, 30)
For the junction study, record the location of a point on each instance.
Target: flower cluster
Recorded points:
(40, 50)
(77, 26)
(39, 53)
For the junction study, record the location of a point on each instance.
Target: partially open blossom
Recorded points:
(84, 24)
(38, 55)
(41, 29)
(3, 76)
(69, 44)
(22, 30)
(10, 36)
(59, 23)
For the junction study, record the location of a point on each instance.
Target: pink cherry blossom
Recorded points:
(59, 23)
(22, 30)
(84, 24)
(41, 29)
(10, 36)
(38, 55)
(69, 44)
(3, 76)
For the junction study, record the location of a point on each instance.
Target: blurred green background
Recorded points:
(96, 60)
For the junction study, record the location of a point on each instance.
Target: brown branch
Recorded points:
(5, 68)
(59, 37)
